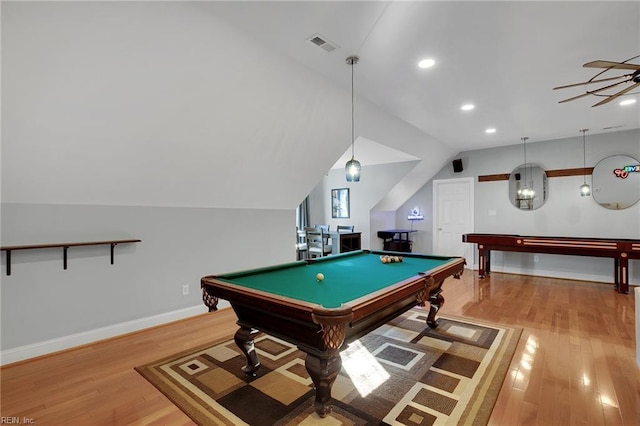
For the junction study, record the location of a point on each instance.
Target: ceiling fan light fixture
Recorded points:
(426, 63)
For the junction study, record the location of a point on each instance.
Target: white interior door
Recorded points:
(452, 217)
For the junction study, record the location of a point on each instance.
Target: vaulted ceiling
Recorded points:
(503, 57)
(141, 98)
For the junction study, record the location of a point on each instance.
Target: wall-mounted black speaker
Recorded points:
(457, 165)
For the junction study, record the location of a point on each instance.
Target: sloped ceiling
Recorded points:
(227, 104)
(504, 57)
(373, 153)
(162, 104)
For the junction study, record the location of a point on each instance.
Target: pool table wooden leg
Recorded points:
(323, 372)
(244, 339)
(210, 301)
(435, 303)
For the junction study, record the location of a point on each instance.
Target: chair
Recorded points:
(345, 228)
(301, 244)
(316, 243)
(325, 230)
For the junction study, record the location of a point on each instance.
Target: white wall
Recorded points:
(123, 120)
(637, 300)
(375, 182)
(565, 212)
(153, 120)
(41, 302)
(152, 105)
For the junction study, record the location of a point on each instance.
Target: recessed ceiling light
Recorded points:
(490, 130)
(628, 102)
(467, 107)
(426, 63)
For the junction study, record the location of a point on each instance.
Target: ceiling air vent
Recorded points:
(322, 42)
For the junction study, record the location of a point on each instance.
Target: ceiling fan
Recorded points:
(633, 78)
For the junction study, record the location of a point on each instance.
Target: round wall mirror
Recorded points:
(616, 182)
(528, 187)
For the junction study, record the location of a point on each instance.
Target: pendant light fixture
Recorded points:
(527, 193)
(352, 168)
(585, 189)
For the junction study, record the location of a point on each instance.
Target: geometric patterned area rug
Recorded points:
(403, 373)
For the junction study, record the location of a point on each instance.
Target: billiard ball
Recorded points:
(320, 277)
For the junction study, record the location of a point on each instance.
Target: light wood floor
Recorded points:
(575, 363)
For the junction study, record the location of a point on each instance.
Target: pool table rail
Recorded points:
(330, 327)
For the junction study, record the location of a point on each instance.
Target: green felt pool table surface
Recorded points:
(347, 276)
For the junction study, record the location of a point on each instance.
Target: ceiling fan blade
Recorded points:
(590, 92)
(620, 93)
(610, 64)
(592, 81)
(574, 98)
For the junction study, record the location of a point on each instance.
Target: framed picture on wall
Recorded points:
(340, 203)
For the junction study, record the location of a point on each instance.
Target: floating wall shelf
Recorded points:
(64, 246)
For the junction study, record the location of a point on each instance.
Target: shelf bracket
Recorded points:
(8, 262)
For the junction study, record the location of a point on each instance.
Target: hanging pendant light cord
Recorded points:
(524, 140)
(352, 113)
(584, 156)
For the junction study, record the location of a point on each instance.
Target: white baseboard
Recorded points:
(567, 275)
(22, 353)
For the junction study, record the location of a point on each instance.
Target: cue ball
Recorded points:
(320, 277)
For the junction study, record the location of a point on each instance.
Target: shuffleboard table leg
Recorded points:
(244, 339)
(323, 372)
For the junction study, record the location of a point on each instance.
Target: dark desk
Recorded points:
(619, 249)
(396, 239)
(345, 241)
(359, 293)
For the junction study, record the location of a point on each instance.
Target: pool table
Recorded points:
(358, 294)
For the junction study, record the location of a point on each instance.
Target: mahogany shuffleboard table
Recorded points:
(620, 250)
